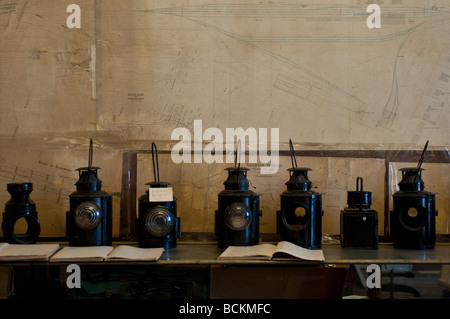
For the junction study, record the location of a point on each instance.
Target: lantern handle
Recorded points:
(293, 159)
(155, 170)
(90, 155)
(359, 184)
(419, 165)
(238, 151)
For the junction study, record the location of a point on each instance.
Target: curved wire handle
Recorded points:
(421, 160)
(90, 155)
(293, 159)
(238, 151)
(422, 156)
(155, 171)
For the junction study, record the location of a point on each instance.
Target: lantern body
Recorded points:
(413, 220)
(157, 224)
(237, 217)
(89, 221)
(300, 218)
(20, 206)
(359, 223)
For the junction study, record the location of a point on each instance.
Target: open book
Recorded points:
(282, 251)
(130, 253)
(82, 254)
(27, 252)
(106, 253)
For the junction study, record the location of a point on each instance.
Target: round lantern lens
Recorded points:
(413, 218)
(159, 221)
(295, 216)
(88, 215)
(237, 216)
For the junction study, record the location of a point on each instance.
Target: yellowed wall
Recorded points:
(369, 90)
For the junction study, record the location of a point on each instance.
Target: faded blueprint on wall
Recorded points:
(313, 69)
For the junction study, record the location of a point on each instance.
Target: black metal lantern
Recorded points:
(237, 217)
(300, 219)
(19, 207)
(157, 224)
(413, 224)
(89, 221)
(359, 223)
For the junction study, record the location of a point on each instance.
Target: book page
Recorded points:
(125, 252)
(263, 251)
(27, 251)
(90, 253)
(285, 247)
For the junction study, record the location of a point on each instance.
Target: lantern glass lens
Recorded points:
(88, 215)
(237, 216)
(300, 212)
(159, 221)
(295, 216)
(413, 218)
(413, 212)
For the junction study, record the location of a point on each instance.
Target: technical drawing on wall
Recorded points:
(314, 70)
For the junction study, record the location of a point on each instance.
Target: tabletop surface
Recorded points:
(333, 253)
(207, 254)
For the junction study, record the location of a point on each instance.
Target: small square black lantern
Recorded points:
(359, 223)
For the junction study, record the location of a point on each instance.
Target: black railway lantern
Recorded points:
(89, 221)
(413, 224)
(359, 223)
(20, 206)
(237, 217)
(157, 224)
(300, 218)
